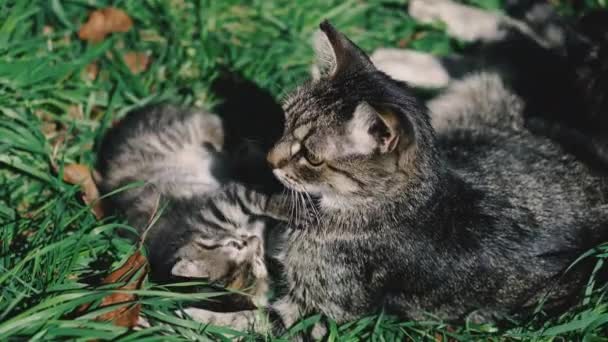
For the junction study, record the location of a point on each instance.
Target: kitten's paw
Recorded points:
(278, 207)
(319, 332)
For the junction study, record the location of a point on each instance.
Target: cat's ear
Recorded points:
(374, 129)
(336, 53)
(190, 269)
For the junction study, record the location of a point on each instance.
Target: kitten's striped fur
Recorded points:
(209, 227)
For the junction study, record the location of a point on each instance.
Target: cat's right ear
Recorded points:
(374, 129)
(336, 53)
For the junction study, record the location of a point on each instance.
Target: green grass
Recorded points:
(51, 114)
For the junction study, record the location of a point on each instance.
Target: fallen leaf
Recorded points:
(28, 233)
(132, 273)
(75, 112)
(135, 262)
(91, 71)
(49, 126)
(104, 21)
(94, 30)
(443, 337)
(48, 129)
(136, 61)
(405, 42)
(81, 174)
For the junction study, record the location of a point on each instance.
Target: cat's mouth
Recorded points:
(287, 180)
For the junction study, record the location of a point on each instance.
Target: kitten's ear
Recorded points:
(190, 269)
(336, 53)
(374, 129)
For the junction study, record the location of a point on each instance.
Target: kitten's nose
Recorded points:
(254, 242)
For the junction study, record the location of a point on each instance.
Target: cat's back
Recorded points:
(531, 172)
(480, 128)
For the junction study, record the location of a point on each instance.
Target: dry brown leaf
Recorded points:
(81, 174)
(117, 19)
(132, 273)
(439, 337)
(75, 112)
(48, 129)
(405, 42)
(104, 21)
(94, 30)
(49, 126)
(91, 71)
(136, 61)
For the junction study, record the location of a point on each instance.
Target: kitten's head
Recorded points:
(220, 243)
(236, 262)
(220, 259)
(353, 134)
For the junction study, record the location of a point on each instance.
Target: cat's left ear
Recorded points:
(377, 129)
(337, 54)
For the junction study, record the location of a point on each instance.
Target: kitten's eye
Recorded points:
(311, 158)
(234, 244)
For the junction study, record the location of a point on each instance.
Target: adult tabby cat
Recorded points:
(482, 220)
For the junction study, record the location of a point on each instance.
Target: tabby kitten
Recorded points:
(481, 222)
(208, 226)
(219, 237)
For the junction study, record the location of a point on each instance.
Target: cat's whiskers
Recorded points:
(313, 207)
(292, 206)
(303, 202)
(298, 206)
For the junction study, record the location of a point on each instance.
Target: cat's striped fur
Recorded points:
(479, 220)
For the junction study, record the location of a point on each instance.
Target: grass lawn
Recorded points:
(55, 107)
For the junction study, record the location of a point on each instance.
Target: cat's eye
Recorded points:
(311, 158)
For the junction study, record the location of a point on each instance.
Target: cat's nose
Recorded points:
(276, 158)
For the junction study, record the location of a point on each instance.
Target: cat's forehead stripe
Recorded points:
(305, 119)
